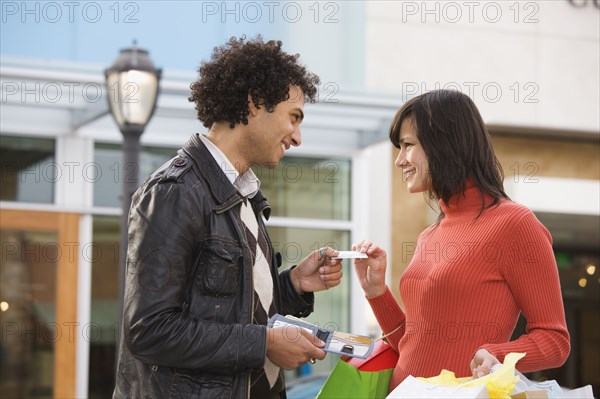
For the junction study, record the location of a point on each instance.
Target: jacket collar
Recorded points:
(221, 188)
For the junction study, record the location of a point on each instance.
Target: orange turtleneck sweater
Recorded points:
(465, 286)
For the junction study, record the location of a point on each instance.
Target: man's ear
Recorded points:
(251, 107)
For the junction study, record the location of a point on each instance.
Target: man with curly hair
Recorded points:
(202, 275)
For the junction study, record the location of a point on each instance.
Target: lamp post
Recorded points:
(132, 83)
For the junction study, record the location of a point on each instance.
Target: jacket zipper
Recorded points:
(250, 311)
(242, 235)
(249, 379)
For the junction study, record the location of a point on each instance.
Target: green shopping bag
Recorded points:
(364, 379)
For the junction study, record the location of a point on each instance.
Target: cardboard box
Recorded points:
(533, 394)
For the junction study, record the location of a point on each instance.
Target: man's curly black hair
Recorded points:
(241, 67)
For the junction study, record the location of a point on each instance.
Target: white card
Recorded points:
(349, 255)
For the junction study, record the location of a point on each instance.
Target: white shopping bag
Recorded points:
(579, 393)
(552, 389)
(414, 388)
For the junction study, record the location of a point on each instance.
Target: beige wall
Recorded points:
(520, 157)
(409, 218)
(543, 56)
(551, 157)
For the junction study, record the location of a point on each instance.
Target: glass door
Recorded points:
(38, 303)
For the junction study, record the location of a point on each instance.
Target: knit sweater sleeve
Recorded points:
(532, 276)
(390, 317)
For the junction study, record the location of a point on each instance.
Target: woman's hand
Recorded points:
(482, 363)
(371, 271)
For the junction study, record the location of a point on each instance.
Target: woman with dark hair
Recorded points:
(484, 261)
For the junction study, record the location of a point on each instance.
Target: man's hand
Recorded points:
(292, 346)
(317, 272)
(482, 363)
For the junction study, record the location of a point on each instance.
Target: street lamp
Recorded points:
(132, 83)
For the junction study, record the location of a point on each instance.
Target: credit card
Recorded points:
(350, 255)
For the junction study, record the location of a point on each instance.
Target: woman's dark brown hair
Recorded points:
(242, 67)
(456, 142)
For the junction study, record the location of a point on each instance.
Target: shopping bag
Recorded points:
(362, 378)
(497, 385)
(526, 389)
(383, 357)
(415, 388)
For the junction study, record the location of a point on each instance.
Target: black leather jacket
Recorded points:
(187, 322)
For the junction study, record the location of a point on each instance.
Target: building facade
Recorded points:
(531, 67)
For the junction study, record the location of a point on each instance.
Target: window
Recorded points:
(313, 188)
(108, 159)
(28, 169)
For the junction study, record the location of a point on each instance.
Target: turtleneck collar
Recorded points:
(465, 206)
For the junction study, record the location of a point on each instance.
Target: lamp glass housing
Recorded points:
(132, 83)
(132, 96)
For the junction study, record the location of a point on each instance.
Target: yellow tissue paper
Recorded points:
(499, 384)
